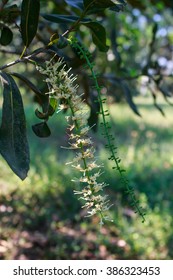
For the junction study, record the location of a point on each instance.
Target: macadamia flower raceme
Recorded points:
(63, 88)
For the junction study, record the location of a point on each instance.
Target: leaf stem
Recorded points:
(26, 58)
(23, 52)
(78, 21)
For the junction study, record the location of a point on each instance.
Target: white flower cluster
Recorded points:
(61, 86)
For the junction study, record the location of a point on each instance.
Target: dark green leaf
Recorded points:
(95, 6)
(9, 14)
(129, 98)
(94, 116)
(43, 99)
(98, 35)
(6, 36)
(93, 120)
(45, 115)
(75, 3)
(40, 115)
(29, 20)
(13, 141)
(64, 18)
(27, 82)
(41, 129)
(159, 108)
(155, 103)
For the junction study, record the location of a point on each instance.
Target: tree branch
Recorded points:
(27, 58)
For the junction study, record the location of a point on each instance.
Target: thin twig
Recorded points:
(25, 58)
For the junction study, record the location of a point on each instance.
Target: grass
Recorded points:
(40, 218)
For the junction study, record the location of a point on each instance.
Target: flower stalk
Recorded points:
(84, 54)
(62, 86)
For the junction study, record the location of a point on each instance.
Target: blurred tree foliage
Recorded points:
(131, 45)
(142, 4)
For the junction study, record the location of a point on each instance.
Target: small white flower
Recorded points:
(61, 85)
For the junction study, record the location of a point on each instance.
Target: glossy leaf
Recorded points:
(64, 18)
(41, 129)
(13, 140)
(29, 20)
(6, 36)
(95, 6)
(27, 82)
(98, 35)
(43, 99)
(75, 3)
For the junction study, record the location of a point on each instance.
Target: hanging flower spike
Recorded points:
(110, 146)
(62, 87)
